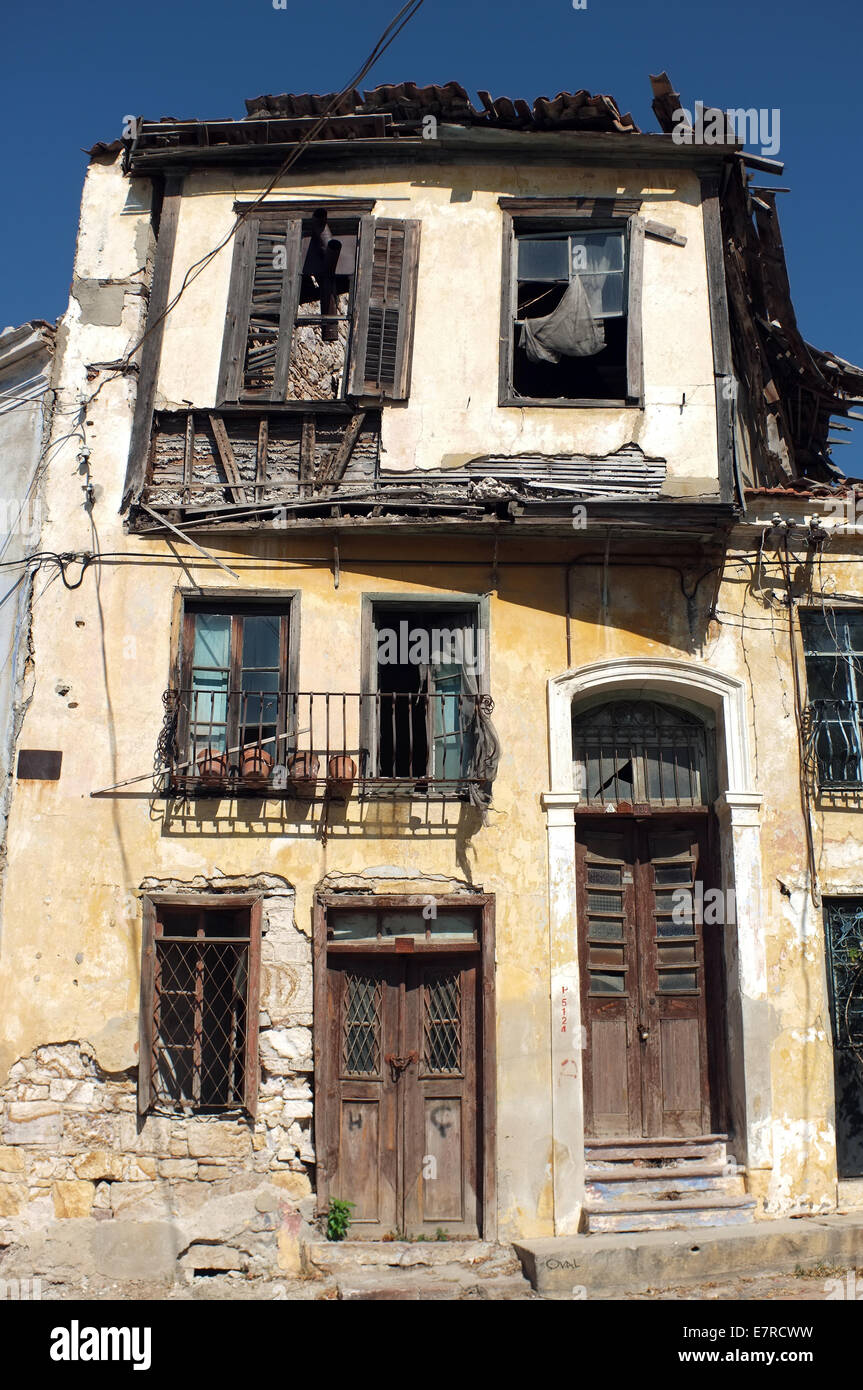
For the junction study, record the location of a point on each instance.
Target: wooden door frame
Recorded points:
(486, 1061)
(714, 974)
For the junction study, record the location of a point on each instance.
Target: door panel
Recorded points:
(363, 1151)
(404, 1104)
(609, 980)
(440, 1107)
(643, 986)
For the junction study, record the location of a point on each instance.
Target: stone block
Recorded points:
(213, 1257)
(140, 1169)
(80, 1094)
(177, 1168)
(72, 1200)
(11, 1160)
(218, 1139)
(32, 1122)
(154, 1136)
(13, 1196)
(61, 1059)
(286, 1050)
(135, 1200)
(100, 1166)
(136, 1249)
(295, 1185)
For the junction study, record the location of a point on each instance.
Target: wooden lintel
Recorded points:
(226, 454)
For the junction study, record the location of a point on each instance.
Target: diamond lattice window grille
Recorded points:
(200, 1001)
(442, 1023)
(362, 1026)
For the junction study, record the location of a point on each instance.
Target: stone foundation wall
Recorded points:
(208, 1191)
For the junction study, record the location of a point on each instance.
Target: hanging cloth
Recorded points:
(570, 330)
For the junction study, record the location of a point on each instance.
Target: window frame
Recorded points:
(853, 682)
(371, 291)
(572, 216)
(283, 603)
(152, 905)
(476, 604)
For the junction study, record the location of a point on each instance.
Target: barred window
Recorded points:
(833, 644)
(199, 1006)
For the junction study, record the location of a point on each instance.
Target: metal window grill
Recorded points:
(843, 921)
(834, 741)
(442, 1024)
(362, 1026)
(200, 1012)
(640, 752)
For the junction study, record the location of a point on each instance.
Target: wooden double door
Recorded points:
(644, 996)
(402, 1115)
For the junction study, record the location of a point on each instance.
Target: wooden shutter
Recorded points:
(146, 1020)
(253, 1004)
(383, 314)
(262, 306)
(634, 354)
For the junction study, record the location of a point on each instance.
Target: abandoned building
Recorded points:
(439, 766)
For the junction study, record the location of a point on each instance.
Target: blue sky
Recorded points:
(73, 71)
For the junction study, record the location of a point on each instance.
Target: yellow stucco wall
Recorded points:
(71, 932)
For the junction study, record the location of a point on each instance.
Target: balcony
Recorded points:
(321, 745)
(834, 744)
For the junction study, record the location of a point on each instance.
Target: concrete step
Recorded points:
(710, 1148)
(690, 1212)
(648, 1169)
(441, 1284)
(479, 1259)
(614, 1265)
(663, 1186)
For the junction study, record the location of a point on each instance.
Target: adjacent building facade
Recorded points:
(444, 780)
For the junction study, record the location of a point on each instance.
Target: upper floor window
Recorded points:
(833, 645)
(571, 316)
(320, 306)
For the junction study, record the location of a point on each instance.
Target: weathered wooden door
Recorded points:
(403, 1132)
(644, 997)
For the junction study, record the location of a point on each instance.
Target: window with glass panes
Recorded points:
(833, 645)
(235, 676)
(547, 263)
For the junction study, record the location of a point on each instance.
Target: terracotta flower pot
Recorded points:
(341, 773)
(303, 774)
(256, 764)
(212, 765)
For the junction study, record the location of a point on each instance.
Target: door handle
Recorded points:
(399, 1064)
(643, 1033)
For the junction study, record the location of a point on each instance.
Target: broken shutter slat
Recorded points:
(383, 318)
(146, 1018)
(253, 1004)
(237, 318)
(634, 353)
(289, 304)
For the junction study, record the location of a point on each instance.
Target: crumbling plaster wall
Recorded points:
(74, 1147)
(69, 971)
(452, 414)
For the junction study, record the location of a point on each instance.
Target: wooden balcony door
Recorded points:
(644, 993)
(402, 1117)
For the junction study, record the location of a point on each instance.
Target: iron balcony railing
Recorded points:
(834, 743)
(317, 743)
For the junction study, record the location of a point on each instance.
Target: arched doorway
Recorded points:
(650, 966)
